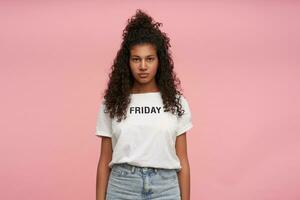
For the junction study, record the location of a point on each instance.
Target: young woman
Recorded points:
(142, 121)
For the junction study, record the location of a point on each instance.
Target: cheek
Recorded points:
(133, 69)
(154, 69)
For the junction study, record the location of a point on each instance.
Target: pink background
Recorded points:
(239, 66)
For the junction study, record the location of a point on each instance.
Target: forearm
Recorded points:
(103, 172)
(184, 181)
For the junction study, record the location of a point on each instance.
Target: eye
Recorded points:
(150, 59)
(134, 59)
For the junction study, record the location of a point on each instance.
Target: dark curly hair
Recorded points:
(142, 29)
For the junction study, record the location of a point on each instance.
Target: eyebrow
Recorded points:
(139, 56)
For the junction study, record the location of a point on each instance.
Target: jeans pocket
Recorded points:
(167, 174)
(119, 171)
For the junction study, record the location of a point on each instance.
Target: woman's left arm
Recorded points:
(184, 173)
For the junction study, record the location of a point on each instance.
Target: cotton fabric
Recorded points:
(147, 137)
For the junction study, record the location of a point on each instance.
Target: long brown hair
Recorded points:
(141, 28)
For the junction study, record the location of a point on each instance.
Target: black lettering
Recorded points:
(144, 110)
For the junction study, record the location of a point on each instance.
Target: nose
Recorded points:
(143, 64)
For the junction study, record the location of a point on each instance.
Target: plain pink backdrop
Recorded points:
(239, 66)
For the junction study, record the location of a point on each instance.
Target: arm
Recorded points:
(184, 173)
(103, 169)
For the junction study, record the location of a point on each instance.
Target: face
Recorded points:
(143, 64)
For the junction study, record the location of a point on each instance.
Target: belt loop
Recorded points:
(132, 169)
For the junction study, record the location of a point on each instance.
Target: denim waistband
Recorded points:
(132, 168)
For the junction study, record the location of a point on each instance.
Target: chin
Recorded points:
(143, 81)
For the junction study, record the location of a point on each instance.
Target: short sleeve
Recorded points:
(185, 121)
(103, 123)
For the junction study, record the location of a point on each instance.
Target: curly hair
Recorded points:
(142, 29)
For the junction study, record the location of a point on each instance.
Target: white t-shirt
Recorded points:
(146, 138)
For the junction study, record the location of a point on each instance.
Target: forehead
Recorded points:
(143, 50)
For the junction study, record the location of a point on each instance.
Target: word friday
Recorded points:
(144, 110)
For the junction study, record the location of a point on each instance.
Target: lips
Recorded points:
(143, 75)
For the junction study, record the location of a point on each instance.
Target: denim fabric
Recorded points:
(129, 182)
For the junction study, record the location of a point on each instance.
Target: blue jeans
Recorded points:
(142, 183)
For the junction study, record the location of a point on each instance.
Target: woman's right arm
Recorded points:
(103, 169)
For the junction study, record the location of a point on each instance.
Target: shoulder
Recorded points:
(182, 99)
